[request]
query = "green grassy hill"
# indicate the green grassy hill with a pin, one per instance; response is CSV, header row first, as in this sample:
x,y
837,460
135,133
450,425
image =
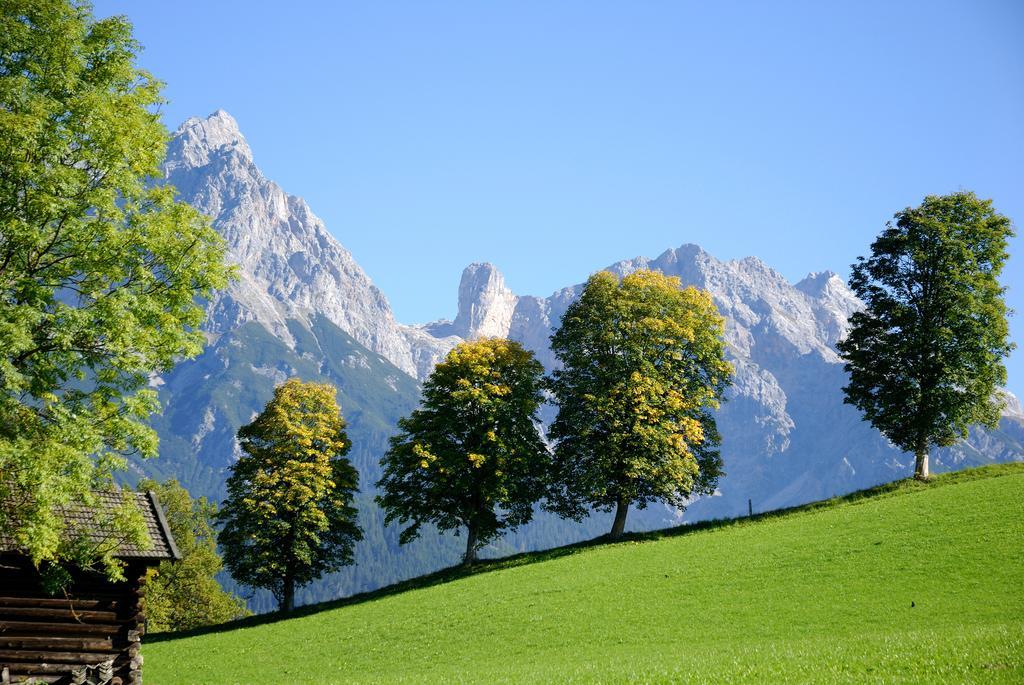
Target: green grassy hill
x,y
915,583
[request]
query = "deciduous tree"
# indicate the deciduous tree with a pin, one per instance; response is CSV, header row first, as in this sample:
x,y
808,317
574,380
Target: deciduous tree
x,y
926,357
643,367
185,594
471,456
288,518
100,269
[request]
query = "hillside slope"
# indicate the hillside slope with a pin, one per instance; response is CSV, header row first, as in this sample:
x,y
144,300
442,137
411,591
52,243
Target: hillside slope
x,y
906,583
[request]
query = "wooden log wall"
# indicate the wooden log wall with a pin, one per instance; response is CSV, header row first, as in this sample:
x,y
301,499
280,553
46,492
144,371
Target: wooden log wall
x,y
91,635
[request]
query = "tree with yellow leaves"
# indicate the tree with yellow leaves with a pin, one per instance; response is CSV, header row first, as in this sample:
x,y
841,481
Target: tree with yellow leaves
x,y
471,456
643,367
288,518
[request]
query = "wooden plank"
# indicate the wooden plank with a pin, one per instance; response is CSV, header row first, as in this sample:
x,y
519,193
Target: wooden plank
x,y
38,678
94,603
20,669
25,670
59,671
94,644
42,658
26,628
59,614
15,591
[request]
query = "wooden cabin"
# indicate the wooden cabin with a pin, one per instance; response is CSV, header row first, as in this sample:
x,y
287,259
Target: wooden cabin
x,y
91,632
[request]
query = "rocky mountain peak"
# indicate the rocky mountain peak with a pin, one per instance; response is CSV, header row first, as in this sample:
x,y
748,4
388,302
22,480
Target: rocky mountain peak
x,y
1012,405
197,141
817,283
833,303
486,305
292,267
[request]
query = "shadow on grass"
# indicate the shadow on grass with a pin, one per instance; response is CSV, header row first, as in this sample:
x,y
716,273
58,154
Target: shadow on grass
x,y
489,565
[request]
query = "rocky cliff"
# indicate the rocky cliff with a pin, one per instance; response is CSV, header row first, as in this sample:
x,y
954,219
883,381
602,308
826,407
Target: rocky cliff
x,y
291,267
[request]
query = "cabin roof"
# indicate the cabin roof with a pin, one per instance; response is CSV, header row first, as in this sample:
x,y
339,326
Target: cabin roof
x,y
93,523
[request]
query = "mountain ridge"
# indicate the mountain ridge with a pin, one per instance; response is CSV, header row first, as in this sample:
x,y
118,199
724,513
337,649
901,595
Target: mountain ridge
x,y
291,265
303,306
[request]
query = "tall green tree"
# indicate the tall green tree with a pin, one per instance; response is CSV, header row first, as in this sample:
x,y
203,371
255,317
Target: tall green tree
x,y
288,518
471,456
99,268
926,357
643,367
185,594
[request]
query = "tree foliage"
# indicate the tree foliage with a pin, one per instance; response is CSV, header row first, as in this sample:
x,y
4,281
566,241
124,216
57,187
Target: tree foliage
x,y
471,456
643,367
185,594
288,517
926,357
99,269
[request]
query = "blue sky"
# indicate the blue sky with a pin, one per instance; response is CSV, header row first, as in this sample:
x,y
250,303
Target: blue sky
x,y
554,138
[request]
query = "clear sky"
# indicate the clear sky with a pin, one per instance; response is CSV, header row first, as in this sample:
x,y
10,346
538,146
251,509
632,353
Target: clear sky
x,y
554,138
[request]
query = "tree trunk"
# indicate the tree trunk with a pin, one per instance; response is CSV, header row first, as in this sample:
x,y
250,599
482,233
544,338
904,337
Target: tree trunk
x,y
288,596
621,509
288,591
470,557
921,464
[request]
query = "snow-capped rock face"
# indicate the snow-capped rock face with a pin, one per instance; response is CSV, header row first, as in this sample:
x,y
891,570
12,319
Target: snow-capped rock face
x,y
291,267
1012,406
755,299
838,304
808,317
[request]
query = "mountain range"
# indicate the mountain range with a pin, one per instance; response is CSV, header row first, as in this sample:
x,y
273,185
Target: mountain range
x,y
303,306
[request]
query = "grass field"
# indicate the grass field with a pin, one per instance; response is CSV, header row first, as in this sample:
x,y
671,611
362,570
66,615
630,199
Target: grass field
x,y
907,583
